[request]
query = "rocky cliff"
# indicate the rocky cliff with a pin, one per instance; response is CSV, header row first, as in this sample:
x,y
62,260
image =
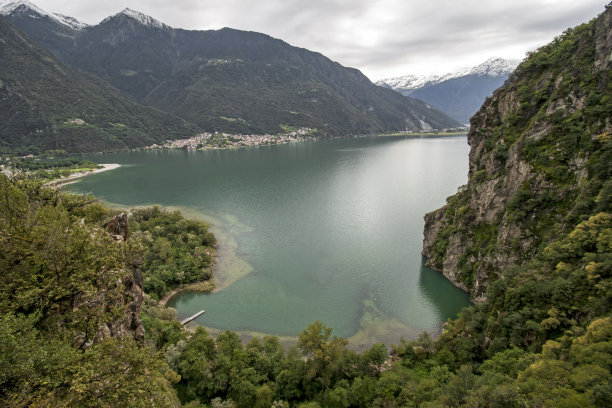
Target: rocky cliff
x,y
537,165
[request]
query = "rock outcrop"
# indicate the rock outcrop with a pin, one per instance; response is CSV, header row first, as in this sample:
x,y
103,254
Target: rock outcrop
x,y
533,146
118,227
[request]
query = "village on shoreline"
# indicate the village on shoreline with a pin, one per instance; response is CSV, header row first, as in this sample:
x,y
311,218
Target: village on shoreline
x,y
216,141
202,141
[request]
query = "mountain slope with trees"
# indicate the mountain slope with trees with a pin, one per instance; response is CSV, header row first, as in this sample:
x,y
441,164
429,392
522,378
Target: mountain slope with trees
x,y
539,162
232,81
47,105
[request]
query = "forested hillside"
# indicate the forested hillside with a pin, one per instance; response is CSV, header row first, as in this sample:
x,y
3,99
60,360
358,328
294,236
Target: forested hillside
x,y
47,105
230,80
540,162
70,298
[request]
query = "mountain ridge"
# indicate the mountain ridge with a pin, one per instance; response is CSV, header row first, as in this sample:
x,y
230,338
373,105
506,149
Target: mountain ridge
x,y
407,84
460,93
140,17
233,81
23,7
47,105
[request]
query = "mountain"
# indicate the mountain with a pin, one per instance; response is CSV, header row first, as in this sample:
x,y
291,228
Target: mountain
x,y
458,94
27,10
47,105
53,31
540,173
231,80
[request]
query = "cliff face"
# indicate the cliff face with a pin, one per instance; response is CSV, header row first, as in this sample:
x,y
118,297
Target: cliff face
x,y
535,161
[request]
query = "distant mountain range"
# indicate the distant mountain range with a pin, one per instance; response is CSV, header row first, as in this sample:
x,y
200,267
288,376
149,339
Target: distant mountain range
x,y
224,80
459,94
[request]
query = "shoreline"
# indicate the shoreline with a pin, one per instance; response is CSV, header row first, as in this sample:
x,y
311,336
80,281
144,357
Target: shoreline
x,y
73,177
205,286
221,141
425,134
212,284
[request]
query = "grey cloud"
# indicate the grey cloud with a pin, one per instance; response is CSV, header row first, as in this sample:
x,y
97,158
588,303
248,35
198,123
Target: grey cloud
x,y
377,36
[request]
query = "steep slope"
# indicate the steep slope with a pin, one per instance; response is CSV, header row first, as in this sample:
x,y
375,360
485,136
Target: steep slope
x,y
540,163
458,94
45,104
236,81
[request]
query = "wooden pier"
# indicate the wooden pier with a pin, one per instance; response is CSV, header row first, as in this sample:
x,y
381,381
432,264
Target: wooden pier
x,y
187,320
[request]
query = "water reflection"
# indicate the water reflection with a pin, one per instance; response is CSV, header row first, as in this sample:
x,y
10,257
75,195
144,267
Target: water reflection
x,y
443,296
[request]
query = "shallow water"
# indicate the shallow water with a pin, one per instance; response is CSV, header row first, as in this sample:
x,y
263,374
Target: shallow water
x,y
328,231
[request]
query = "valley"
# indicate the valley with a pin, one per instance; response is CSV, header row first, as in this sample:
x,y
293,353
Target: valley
x,y
420,269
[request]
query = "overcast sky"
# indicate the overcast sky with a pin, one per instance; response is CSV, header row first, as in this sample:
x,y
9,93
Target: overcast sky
x,y
382,38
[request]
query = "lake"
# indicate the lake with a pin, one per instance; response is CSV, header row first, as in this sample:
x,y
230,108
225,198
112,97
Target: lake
x,y
329,230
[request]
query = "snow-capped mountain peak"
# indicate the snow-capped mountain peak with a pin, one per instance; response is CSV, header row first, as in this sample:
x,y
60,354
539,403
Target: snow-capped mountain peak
x,y
29,9
70,21
143,18
494,67
8,6
408,82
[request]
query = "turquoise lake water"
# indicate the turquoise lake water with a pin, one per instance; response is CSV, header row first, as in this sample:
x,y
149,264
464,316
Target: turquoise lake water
x,y
328,231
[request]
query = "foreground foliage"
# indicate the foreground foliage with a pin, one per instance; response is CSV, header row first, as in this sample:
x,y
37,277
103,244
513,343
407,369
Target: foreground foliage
x,y
60,283
571,371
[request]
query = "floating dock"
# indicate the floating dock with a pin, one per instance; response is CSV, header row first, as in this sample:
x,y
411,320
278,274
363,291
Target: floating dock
x,y
187,320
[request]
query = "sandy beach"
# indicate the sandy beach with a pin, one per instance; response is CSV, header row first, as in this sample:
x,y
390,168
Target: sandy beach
x,y
70,179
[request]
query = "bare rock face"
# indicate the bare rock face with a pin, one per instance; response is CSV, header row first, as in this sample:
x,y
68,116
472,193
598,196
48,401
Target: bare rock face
x,y
129,324
525,172
118,227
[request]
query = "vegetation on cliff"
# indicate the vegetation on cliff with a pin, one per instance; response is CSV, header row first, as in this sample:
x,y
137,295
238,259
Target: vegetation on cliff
x,y
540,162
70,332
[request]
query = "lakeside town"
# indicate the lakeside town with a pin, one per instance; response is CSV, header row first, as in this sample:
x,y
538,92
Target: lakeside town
x,y
214,141
56,168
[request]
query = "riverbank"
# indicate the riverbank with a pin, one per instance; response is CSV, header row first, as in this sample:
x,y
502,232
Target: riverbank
x,y
74,176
